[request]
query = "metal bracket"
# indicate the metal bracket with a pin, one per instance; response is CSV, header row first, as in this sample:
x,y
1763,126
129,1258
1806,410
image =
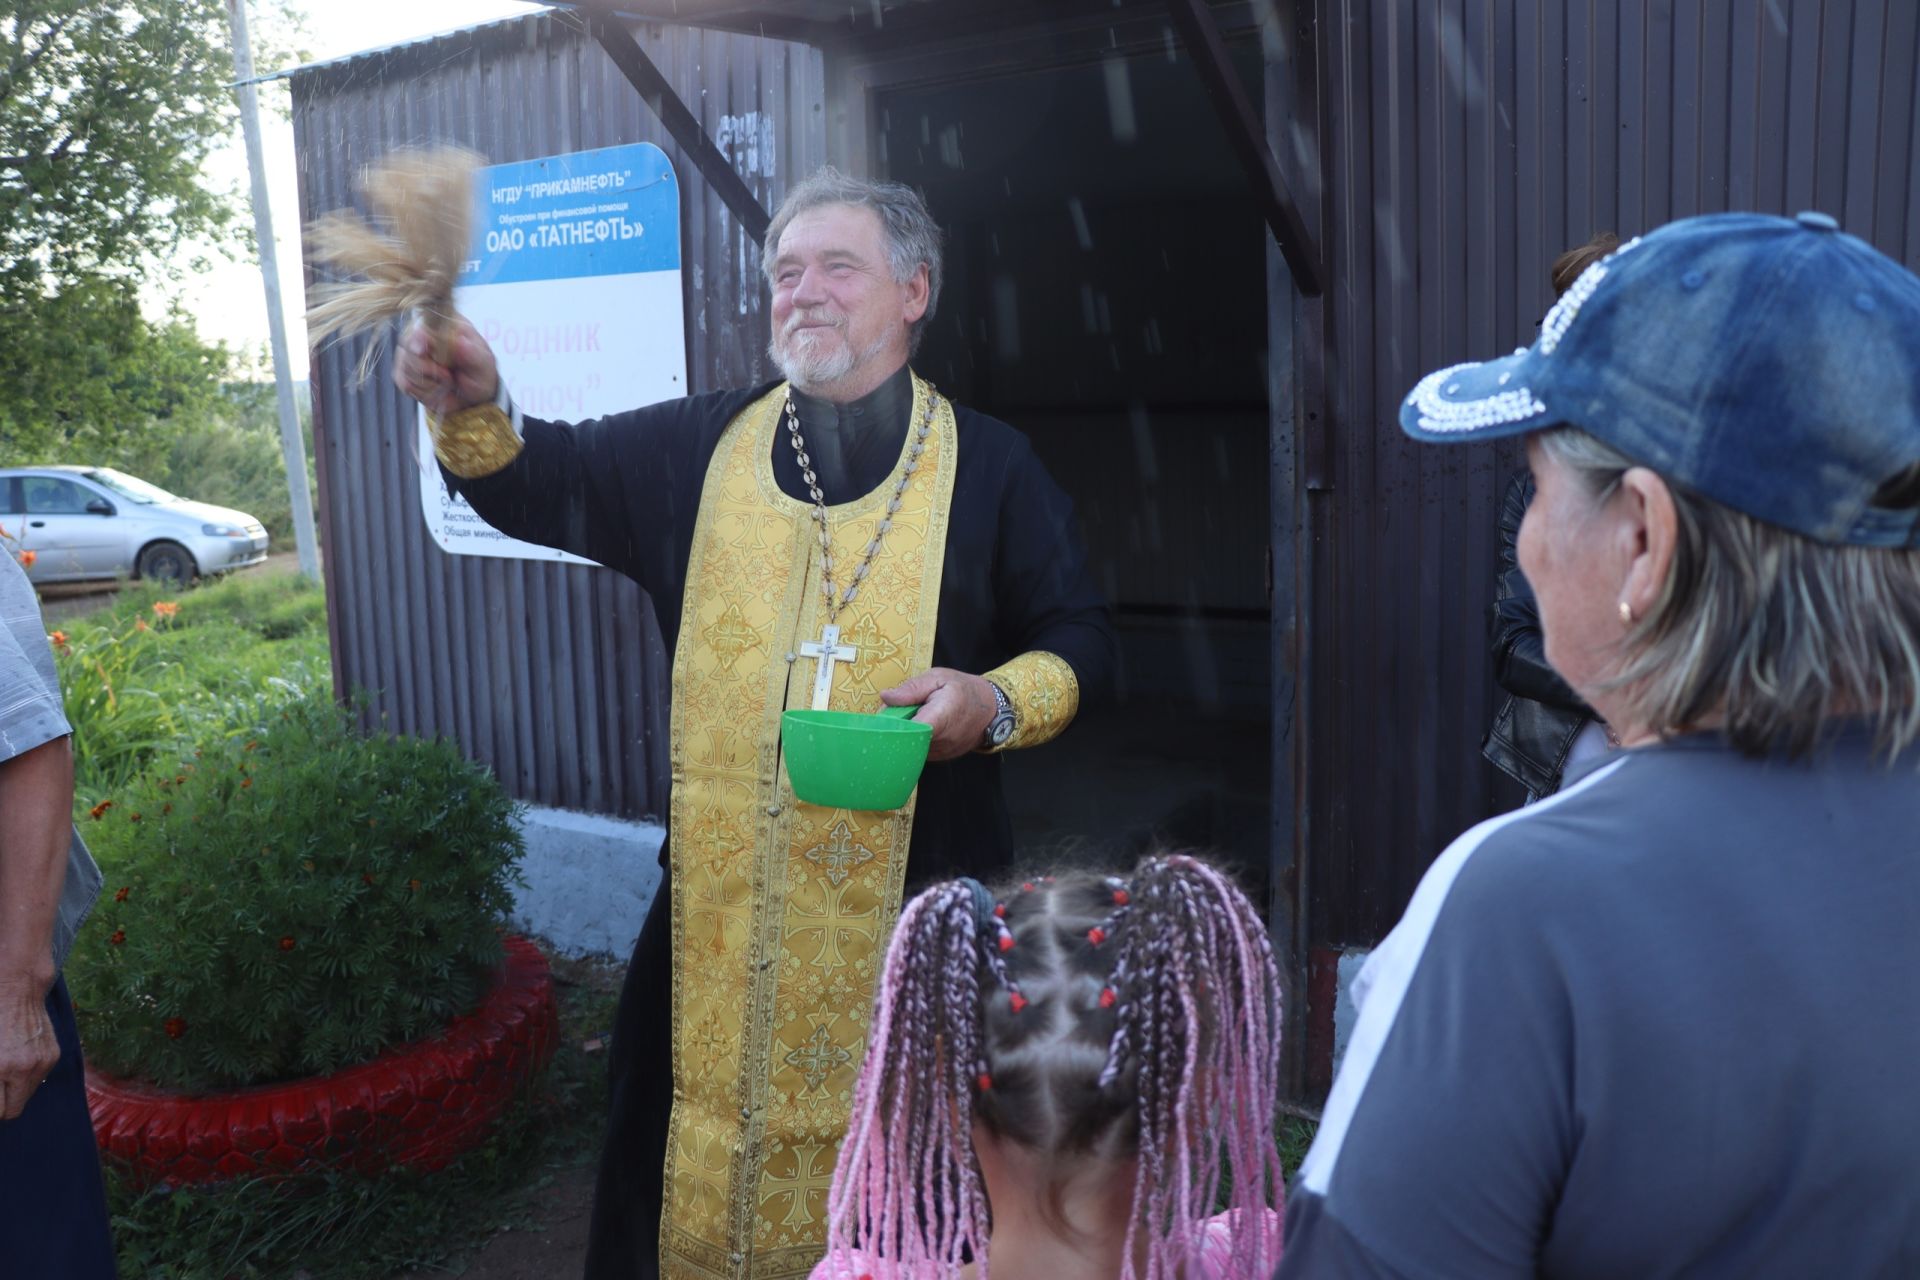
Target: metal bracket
x,y
1245,134
611,34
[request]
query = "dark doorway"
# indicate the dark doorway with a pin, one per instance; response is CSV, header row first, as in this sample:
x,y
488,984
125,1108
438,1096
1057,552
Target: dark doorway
x,y
1106,294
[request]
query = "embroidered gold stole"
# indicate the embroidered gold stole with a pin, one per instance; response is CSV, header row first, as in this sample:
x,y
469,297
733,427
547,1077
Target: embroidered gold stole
x,y
781,911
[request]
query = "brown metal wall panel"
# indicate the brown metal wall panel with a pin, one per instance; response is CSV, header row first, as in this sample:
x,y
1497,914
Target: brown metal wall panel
x,y
552,674
1465,143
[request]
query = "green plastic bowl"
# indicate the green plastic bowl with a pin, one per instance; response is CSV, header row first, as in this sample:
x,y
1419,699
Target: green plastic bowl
x,y
850,760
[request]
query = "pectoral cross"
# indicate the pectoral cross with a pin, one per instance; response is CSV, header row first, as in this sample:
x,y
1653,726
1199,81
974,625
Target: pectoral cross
x,y
826,652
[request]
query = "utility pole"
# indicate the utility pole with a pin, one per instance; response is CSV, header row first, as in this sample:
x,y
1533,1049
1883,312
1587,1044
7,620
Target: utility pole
x,y
292,447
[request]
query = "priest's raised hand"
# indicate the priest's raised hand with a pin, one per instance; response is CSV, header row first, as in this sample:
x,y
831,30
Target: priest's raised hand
x,y
469,376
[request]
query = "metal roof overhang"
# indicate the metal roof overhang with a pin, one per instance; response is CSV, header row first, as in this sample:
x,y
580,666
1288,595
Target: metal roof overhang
x,y
870,26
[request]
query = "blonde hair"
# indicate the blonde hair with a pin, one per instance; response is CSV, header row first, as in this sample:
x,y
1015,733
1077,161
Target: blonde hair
x,y
1777,634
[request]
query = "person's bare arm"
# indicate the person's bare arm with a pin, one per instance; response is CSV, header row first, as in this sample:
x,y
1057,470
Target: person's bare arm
x,y
36,805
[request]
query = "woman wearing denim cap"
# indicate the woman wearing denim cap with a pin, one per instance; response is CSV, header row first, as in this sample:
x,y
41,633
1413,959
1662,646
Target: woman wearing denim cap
x,y
1666,1021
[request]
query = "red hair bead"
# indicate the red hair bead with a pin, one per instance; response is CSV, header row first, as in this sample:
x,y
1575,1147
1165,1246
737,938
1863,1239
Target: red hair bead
x,y
1121,897
1026,886
1107,998
986,1082
1006,943
1019,1002
1000,911
1096,935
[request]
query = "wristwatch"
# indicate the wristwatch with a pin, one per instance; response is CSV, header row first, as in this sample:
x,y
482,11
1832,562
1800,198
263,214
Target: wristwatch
x,y
1000,728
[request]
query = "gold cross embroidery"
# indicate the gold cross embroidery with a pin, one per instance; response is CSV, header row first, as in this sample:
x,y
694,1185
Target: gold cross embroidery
x,y
819,1057
701,1173
729,636
805,1186
834,922
840,855
719,911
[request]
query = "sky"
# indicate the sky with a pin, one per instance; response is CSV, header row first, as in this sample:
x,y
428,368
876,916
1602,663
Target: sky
x,y
228,303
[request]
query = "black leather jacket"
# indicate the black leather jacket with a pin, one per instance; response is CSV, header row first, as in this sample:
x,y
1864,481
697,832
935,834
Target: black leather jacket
x,y
1541,717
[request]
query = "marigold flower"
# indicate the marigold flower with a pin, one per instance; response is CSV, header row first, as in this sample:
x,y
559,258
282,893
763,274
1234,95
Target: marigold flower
x,y
28,557
251,745
133,817
308,864
246,782
119,936
99,811
175,1028
121,894
414,885
140,624
58,638
165,608
286,943
166,808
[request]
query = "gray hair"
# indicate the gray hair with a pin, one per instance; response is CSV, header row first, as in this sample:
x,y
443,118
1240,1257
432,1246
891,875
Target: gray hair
x,y
913,237
1777,633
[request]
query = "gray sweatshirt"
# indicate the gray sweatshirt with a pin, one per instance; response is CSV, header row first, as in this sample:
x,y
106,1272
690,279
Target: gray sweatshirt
x,y
1664,1023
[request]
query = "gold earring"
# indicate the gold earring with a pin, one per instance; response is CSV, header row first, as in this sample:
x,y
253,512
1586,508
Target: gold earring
x,y
1626,614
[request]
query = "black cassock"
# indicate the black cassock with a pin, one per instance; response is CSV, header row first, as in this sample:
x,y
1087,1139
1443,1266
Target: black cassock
x,y
624,491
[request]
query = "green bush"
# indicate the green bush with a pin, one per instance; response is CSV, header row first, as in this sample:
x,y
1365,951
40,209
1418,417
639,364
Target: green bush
x,y
291,904
145,678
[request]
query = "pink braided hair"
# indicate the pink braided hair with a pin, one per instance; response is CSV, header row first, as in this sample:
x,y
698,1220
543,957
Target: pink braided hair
x,y
1169,1049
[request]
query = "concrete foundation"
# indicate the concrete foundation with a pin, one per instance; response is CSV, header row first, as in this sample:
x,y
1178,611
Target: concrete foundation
x,y
590,880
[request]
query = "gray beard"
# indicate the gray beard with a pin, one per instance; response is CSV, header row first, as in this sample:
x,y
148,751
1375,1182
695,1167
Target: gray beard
x,y
810,371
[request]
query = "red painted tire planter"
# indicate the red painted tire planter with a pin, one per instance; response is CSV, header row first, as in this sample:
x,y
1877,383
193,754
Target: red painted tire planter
x,y
420,1104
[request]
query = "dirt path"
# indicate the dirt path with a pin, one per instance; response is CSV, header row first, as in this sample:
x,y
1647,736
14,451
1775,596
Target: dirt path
x,y
554,1249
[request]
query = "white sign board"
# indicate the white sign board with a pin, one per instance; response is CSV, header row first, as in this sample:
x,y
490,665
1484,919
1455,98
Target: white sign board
x,y
575,284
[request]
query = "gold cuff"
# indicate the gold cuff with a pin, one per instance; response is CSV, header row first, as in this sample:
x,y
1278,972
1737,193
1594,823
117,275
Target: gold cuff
x,y
1045,695
476,441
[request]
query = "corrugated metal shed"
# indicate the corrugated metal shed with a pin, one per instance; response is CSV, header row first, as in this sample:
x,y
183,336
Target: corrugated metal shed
x,y
554,675
1465,144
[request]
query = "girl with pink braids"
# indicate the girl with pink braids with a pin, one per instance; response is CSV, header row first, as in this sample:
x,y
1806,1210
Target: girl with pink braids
x,y
1065,1082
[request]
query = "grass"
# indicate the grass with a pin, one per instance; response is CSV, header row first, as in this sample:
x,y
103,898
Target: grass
x,y
347,1227
1294,1136
161,669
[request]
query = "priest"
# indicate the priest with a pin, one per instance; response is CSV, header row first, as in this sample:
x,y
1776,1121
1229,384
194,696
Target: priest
x,y
843,538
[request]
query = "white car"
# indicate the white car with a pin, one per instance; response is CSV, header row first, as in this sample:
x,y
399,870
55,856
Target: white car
x,y
85,523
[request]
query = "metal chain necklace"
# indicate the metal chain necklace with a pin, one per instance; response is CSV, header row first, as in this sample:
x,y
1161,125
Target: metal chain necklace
x,y
838,601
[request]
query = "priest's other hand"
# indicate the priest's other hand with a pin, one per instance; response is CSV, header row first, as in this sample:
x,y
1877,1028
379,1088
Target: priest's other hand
x,y
957,705
468,378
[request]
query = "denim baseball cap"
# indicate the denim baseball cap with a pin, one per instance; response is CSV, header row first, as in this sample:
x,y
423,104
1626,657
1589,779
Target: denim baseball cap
x,y
1770,364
